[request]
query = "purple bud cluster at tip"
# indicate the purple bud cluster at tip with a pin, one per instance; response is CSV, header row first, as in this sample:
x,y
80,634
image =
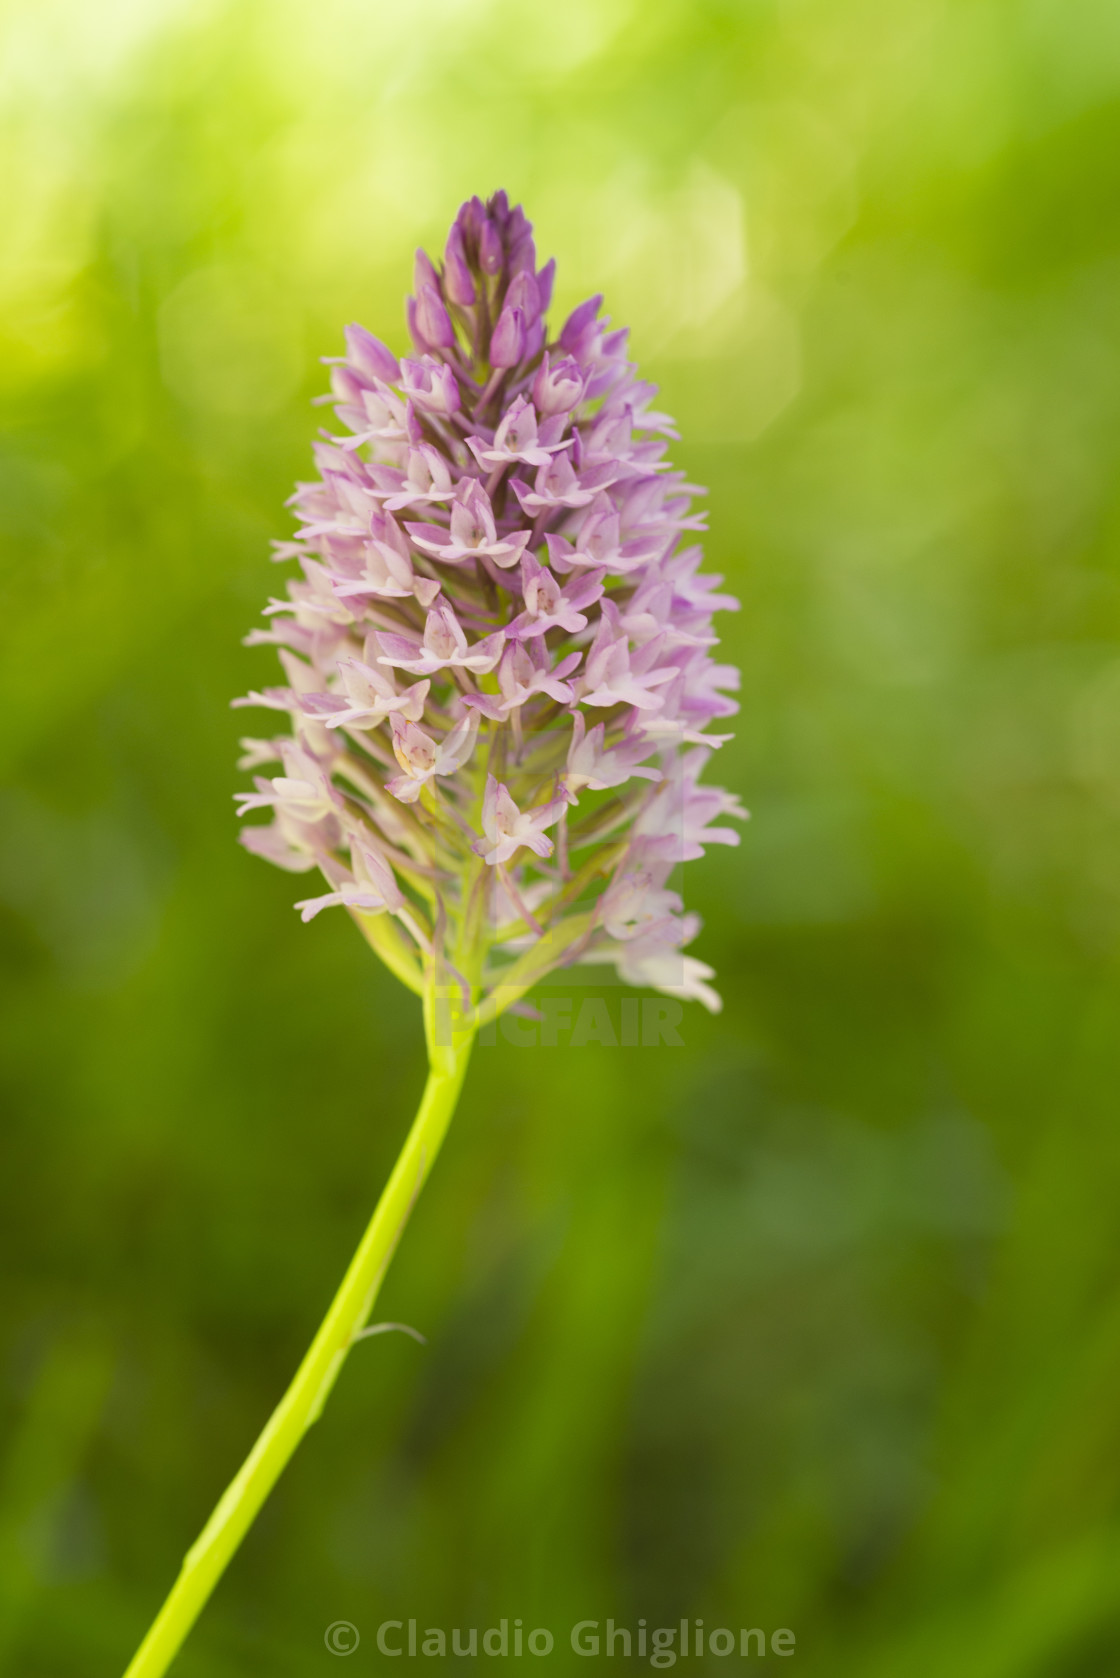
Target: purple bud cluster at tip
x,y
499,651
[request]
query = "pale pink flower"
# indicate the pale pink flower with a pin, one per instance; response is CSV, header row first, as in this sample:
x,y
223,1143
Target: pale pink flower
x,y
506,828
542,634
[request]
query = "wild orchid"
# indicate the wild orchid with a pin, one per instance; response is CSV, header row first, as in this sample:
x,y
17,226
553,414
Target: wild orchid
x,y
499,687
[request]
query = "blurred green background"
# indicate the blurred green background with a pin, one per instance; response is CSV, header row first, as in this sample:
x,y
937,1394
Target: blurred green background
x,y
814,1321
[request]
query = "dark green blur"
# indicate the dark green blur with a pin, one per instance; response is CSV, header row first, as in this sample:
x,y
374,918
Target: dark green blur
x,y
812,1321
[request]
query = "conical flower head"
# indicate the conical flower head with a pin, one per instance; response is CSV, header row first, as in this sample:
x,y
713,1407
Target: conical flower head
x,y
499,650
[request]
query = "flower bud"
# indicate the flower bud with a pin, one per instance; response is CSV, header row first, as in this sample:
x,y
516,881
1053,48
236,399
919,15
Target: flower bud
x,y
433,323
507,345
369,357
490,249
544,282
580,329
423,273
458,286
524,294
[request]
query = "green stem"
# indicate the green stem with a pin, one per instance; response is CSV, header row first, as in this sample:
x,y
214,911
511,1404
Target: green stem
x,y
301,1404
